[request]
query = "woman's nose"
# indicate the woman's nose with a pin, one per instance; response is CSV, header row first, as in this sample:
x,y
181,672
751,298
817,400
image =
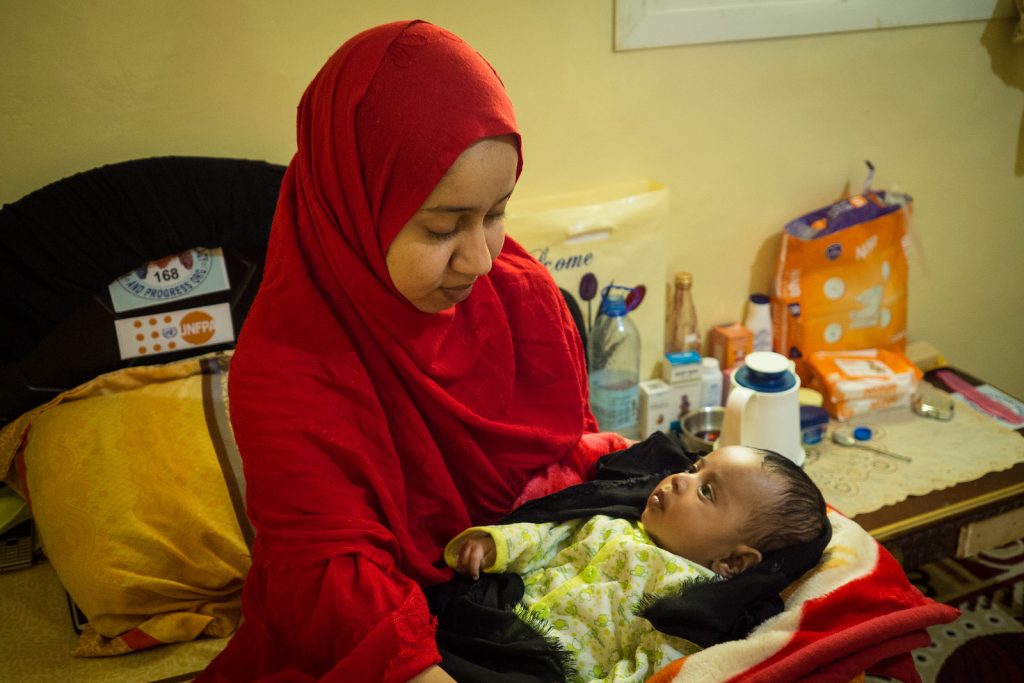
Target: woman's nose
x,y
472,255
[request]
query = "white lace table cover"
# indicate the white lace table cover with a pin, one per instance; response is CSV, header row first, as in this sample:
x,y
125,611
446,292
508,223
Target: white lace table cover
x,y
943,454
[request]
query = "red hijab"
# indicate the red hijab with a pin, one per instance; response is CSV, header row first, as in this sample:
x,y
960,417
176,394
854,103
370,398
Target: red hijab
x,y
368,428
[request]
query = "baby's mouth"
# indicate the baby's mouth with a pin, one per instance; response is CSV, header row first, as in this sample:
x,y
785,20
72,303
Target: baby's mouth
x,y
659,500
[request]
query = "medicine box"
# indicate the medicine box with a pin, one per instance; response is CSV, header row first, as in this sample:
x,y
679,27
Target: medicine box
x,y
655,407
730,344
685,397
680,367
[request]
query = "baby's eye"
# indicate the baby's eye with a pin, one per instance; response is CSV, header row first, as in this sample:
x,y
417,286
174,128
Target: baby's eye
x,y
692,469
706,491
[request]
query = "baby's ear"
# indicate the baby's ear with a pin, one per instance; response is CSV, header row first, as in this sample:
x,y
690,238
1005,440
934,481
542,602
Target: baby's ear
x,y
743,558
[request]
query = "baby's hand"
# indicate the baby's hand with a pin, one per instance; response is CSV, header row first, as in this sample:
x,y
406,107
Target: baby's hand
x,y
476,553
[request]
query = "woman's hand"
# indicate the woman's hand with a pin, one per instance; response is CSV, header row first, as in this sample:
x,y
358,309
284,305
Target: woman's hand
x,y
476,553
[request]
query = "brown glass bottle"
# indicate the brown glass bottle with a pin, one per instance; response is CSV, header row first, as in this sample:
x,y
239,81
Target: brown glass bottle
x,y
681,331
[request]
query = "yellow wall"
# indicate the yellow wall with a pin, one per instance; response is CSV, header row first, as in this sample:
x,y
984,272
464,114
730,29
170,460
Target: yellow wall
x,y
747,135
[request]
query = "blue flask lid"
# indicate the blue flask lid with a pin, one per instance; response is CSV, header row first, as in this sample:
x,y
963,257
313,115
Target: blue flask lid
x,y
766,372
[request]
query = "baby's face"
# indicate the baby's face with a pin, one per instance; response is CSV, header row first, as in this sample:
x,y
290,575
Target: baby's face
x,y
701,514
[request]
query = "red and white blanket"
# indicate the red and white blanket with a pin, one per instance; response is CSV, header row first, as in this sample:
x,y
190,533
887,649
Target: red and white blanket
x,y
855,612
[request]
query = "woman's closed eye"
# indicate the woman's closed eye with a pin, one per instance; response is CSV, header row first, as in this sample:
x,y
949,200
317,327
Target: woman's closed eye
x,y
443,235
440,234
444,229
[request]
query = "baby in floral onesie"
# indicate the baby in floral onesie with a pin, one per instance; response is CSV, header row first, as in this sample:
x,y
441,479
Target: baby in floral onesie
x,y
585,577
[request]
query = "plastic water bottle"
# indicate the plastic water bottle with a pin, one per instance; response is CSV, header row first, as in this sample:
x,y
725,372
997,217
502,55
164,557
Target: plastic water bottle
x,y
614,349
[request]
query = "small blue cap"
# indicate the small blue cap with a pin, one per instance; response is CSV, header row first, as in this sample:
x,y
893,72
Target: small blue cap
x,y
862,433
613,306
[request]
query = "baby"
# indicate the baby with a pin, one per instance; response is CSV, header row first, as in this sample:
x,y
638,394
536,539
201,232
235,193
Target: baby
x,y
585,578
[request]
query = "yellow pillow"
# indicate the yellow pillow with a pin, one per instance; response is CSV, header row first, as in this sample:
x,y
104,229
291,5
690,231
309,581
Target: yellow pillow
x,y
134,484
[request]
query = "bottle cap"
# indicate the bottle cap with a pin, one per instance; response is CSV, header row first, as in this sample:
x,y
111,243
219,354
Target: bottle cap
x,y
684,279
614,305
710,362
759,299
862,433
613,300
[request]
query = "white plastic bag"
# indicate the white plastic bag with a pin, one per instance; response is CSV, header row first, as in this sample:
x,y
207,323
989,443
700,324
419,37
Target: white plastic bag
x,y
589,240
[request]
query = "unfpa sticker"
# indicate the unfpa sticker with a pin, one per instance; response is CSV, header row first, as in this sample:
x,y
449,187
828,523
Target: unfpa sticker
x,y
174,331
178,276
197,327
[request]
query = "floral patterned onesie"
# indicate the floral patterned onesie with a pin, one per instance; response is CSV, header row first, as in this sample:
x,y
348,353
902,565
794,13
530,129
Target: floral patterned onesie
x,y
583,579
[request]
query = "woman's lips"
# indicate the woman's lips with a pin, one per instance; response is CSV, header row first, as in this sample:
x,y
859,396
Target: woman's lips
x,y
457,294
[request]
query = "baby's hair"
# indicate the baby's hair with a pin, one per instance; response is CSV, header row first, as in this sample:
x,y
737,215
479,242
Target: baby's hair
x,y
798,515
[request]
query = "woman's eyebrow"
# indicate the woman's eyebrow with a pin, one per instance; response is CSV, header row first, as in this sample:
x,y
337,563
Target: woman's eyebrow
x,y
449,208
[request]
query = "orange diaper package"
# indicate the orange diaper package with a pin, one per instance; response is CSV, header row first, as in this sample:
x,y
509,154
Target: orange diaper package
x,y
841,279
858,382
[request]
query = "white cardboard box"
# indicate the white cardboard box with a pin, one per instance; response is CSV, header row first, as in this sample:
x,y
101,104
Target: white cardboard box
x,y
655,407
684,397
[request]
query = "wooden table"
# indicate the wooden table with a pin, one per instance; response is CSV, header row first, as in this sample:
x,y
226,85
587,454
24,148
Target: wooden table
x,y
960,521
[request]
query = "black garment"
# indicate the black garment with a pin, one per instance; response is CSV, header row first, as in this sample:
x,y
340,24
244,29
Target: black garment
x,y
482,639
620,488
577,318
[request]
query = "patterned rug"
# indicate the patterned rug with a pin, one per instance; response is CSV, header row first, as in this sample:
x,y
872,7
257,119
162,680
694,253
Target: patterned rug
x,y
997,574
987,642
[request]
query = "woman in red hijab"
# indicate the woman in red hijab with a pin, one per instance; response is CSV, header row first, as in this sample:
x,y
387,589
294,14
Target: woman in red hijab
x,y
405,371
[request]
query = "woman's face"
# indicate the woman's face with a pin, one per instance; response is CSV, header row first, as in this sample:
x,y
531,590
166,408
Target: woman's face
x,y
458,232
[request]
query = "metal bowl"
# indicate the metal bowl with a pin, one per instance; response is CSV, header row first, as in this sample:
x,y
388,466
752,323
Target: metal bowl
x,y
701,428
